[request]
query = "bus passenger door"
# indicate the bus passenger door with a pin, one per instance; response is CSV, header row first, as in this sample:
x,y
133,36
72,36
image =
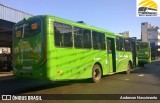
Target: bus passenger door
x,y
111,54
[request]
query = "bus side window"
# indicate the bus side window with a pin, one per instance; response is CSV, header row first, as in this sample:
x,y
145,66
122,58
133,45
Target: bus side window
x,y
98,40
119,44
127,45
87,38
63,35
67,32
102,41
109,49
58,31
78,37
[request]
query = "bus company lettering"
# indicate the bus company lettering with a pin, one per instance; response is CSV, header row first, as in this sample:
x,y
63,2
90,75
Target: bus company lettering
x,y
126,56
36,48
96,59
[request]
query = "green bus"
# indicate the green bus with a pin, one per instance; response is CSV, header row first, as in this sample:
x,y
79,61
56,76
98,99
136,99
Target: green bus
x,y
143,53
53,48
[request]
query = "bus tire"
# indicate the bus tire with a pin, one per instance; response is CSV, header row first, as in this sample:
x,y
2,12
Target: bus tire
x,y
96,73
129,67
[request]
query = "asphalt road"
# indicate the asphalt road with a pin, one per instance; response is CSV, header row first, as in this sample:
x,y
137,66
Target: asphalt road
x,y
144,80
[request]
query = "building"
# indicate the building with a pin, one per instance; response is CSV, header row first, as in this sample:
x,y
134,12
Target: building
x,y
144,31
154,36
125,33
150,33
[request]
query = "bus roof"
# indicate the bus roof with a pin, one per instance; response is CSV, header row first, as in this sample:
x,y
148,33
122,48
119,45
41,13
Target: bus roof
x,y
82,25
143,42
120,35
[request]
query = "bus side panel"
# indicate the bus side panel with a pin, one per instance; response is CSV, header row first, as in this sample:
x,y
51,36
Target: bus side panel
x,y
122,59
50,50
77,63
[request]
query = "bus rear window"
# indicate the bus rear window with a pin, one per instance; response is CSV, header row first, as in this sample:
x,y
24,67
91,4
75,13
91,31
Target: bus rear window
x,y
143,45
28,28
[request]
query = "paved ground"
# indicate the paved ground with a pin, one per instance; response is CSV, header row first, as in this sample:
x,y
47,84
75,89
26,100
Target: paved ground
x,y
144,80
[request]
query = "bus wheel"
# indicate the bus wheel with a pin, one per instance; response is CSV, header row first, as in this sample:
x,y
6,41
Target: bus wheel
x,y
129,68
96,73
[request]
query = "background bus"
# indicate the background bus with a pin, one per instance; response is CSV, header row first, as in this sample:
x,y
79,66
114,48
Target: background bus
x,y
49,47
143,53
5,59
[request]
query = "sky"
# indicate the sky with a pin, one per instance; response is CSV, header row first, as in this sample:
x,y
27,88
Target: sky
x,y
113,15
